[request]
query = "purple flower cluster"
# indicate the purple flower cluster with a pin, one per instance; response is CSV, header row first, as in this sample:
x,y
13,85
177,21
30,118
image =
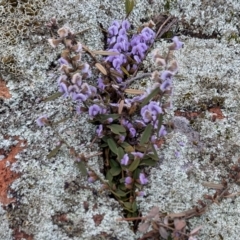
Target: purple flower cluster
x,y
134,48
150,112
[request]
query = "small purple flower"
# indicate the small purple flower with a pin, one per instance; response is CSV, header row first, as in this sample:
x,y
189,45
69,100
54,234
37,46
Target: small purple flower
x,y
132,132
73,89
177,44
41,121
99,131
128,180
121,138
150,111
139,50
62,87
148,34
91,179
143,180
62,61
140,194
116,23
146,114
155,108
166,75
94,110
86,70
101,85
137,154
109,120
112,31
125,160
162,132
166,85
79,97
125,24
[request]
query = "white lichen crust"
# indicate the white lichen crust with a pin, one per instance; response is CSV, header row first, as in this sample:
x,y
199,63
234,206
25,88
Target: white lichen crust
x,y
208,76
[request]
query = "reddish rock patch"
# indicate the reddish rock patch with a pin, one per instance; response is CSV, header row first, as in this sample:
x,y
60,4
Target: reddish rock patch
x,y
4,92
19,235
6,175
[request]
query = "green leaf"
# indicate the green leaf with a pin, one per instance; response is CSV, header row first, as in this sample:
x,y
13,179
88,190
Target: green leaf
x,y
103,117
120,153
117,129
54,152
160,120
150,96
127,147
113,163
125,71
134,165
105,139
136,173
115,171
82,168
112,145
134,206
148,162
109,176
53,97
128,205
154,156
146,134
120,193
129,5
103,145
140,148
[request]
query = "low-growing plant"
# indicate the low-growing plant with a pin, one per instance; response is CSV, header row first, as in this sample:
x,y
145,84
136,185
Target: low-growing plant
x,y
130,124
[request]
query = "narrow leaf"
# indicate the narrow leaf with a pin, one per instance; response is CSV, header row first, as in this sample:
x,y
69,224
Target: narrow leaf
x,y
150,96
112,145
53,97
120,153
54,152
134,165
117,129
160,120
148,162
133,91
113,163
129,4
136,174
101,68
125,71
106,53
128,205
134,206
154,156
109,176
120,193
82,168
103,117
115,171
120,107
127,147
116,73
146,134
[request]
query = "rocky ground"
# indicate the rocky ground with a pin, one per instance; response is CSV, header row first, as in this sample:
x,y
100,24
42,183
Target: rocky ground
x,y
45,199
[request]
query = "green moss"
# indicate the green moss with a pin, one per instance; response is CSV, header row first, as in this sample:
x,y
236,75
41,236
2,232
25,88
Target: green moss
x,y
168,5
235,37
